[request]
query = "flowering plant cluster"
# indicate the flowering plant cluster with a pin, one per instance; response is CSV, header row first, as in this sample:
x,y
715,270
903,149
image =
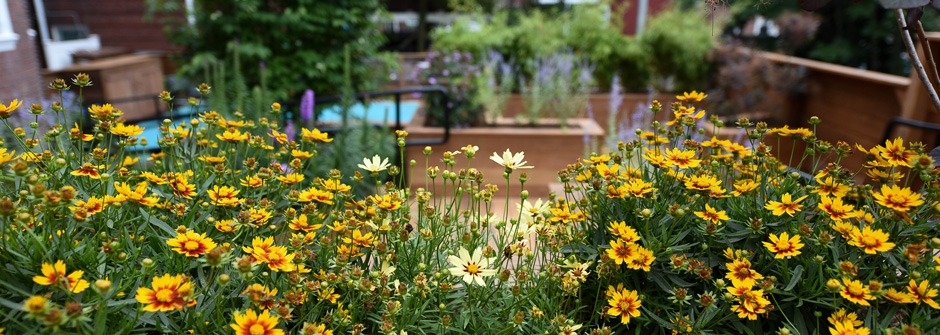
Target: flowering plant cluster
x,y
225,231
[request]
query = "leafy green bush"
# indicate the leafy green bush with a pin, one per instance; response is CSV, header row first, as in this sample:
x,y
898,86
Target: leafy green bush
x,y
678,47
295,44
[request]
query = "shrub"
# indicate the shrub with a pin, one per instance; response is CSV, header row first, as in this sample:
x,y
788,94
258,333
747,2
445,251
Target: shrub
x,y
678,47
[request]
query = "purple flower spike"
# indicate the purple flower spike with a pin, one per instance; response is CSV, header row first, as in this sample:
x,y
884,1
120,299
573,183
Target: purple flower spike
x,y
307,103
290,131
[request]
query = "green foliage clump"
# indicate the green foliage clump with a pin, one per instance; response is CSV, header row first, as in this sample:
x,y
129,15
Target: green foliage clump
x,y
678,47
295,44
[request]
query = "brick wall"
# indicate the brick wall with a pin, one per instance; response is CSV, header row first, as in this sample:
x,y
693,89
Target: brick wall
x,y
119,23
19,68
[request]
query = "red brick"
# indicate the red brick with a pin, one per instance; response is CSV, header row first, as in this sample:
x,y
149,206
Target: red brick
x,y
19,69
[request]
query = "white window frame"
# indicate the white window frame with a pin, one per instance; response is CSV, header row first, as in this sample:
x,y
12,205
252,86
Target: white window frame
x,y
7,37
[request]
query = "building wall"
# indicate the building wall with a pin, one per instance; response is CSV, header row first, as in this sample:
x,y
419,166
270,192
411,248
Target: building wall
x,y
19,68
632,7
119,23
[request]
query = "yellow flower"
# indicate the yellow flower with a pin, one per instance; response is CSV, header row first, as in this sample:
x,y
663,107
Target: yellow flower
x,y
278,259
314,136
212,159
836,209
898,199
750,304
191,244
259,216
624,303
252,323
36,304
315,194
124,130
830,187
702,182
277,136
252,181
895,153
386,202
317,329
692,96
682,159
642,259
360,239
898,296
224,196
232,135
291,178
847,328
743,186
785,205
300,154
105,112
181,186
710,214
5,156
7,110
873,241
55,275
741,274
168,293
621,251
841,316
472,268
624,232
784,245
128,161
226,226
855,291
93,205
300,223
334,185
922,292
87,170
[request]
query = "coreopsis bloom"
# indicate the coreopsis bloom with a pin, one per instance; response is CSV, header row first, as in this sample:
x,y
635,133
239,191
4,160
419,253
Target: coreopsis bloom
x,y
785,205
224,196
291,178
692,96
300,154
624,232
682,159
181,186
642,259
703,182
36,304
6,156
259,247
278,136
259,216
232,135
895,154
750,304
830,187
847,328
922,293
55,275
898,199
278,259
472,268
87,170
898,296
841,316
105,112
168,293
252,323
741,274
121,129
636,187
91,206
302,224
191,244
710,214
784,245
314,136
315,329
621,251
510,161
386,202
873,241
334,185
252,181
376,165
836,209
212,159
226,226
743,186
360,239
315,194
7,110
624,303
855,291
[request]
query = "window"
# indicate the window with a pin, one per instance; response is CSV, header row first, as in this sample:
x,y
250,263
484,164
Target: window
x,y
7,37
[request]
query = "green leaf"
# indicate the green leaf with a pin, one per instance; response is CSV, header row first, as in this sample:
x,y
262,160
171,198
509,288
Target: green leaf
x,y
797,274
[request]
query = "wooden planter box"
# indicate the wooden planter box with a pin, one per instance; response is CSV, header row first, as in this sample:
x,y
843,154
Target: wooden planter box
x,y
547,147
